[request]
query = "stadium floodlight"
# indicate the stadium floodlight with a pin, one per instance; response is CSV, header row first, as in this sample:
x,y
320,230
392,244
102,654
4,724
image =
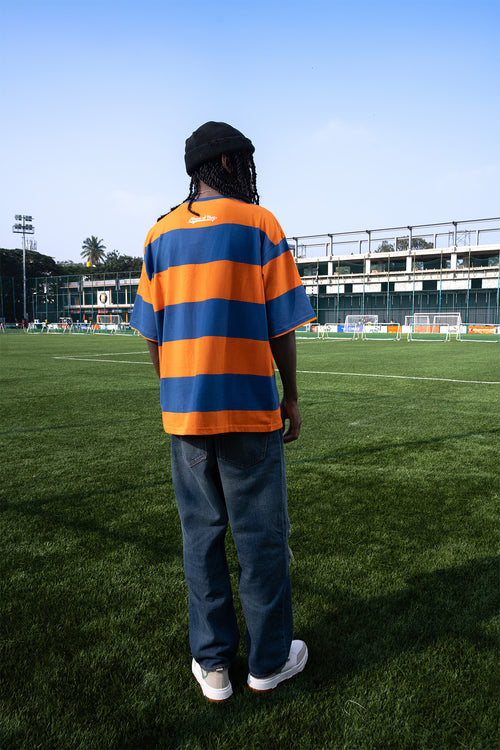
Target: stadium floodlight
x,y
24,227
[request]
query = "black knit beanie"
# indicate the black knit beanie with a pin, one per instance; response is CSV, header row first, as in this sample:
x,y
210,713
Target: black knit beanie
x,y
211,140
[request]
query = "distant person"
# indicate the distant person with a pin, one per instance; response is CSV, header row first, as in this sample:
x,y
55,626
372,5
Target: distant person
x,y
219,298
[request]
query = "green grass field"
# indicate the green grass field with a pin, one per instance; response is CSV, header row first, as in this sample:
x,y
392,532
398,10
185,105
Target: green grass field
x,y
393,499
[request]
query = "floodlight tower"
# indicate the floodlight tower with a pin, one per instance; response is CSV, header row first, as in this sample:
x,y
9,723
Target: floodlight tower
x,y
24,227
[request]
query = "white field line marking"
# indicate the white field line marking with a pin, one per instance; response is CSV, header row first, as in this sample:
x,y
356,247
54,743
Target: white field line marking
x,y
303,372
398,377
112,354
110,361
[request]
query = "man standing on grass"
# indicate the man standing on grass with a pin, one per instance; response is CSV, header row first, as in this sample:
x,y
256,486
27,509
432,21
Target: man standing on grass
x,y
219,299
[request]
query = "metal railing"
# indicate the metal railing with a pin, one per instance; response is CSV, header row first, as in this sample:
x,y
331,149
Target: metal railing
x,y
472,232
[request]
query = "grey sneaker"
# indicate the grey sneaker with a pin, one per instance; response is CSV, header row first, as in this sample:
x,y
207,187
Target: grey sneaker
x,y
215,685
295,663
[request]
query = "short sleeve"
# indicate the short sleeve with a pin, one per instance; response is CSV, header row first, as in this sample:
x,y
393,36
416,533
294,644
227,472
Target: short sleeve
x,y
143,315
287,304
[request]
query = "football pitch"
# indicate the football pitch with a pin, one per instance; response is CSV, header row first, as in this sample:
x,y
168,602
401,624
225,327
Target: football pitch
x,y
393,492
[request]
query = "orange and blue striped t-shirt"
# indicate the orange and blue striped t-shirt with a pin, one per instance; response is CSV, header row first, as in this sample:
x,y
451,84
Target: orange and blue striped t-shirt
x,y
214,289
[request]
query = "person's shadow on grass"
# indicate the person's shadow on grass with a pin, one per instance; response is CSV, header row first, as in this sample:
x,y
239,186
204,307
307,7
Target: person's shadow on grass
x,y
354,634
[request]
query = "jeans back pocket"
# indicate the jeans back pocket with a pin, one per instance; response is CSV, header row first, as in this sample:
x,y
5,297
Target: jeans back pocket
x,y
243,449
194,449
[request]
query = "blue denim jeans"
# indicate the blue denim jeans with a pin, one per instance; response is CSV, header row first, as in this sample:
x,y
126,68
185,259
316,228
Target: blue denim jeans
x,y
235,478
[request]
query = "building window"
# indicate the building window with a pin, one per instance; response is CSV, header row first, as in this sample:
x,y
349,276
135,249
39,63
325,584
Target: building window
x,y
429,286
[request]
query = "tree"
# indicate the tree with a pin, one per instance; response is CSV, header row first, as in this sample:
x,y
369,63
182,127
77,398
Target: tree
x,y
37,264
385,247
122,263
72,268
11,279
93,250
417,243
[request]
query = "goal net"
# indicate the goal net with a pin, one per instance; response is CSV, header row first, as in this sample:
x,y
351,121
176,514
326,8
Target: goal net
x,y
332,333
433,326
37,327
482,333
108,322
360,324
374,332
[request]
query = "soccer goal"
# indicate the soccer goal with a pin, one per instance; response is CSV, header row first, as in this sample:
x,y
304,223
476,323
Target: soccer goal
x,y
381,332
433,326
482,334
332,333
361,324
108,323
63,325
37,328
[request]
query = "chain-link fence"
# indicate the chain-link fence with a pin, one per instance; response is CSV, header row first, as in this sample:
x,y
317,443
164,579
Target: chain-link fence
x,y
80,298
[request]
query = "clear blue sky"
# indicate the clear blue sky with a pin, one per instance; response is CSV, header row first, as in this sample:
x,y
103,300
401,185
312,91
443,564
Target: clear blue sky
x,y
363,114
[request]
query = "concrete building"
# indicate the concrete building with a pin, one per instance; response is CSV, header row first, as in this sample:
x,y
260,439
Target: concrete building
x,y
392,273
395,272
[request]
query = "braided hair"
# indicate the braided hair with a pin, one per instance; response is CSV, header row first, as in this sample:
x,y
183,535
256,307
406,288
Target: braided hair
x,y
240,182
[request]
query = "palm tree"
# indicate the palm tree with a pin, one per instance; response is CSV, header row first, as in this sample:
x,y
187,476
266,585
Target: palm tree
x,y
93,250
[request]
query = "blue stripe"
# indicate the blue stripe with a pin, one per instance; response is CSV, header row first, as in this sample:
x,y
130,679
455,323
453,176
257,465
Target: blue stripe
x,y
219,393
143,318
288,311
213,317
270,251
219,317
233,242
206,244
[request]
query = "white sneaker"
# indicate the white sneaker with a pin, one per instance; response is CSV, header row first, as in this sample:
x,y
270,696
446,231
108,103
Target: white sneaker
x,y
295,663
215,685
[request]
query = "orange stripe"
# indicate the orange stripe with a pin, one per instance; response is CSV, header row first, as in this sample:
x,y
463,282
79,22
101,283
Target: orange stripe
x,y
214,355
221,279
223,210
144,286
216,422
293,329
280,276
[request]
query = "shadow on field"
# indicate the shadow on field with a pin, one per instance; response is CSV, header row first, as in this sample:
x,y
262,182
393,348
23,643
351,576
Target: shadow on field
x,y
98,513
353,634
393,446
349,636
